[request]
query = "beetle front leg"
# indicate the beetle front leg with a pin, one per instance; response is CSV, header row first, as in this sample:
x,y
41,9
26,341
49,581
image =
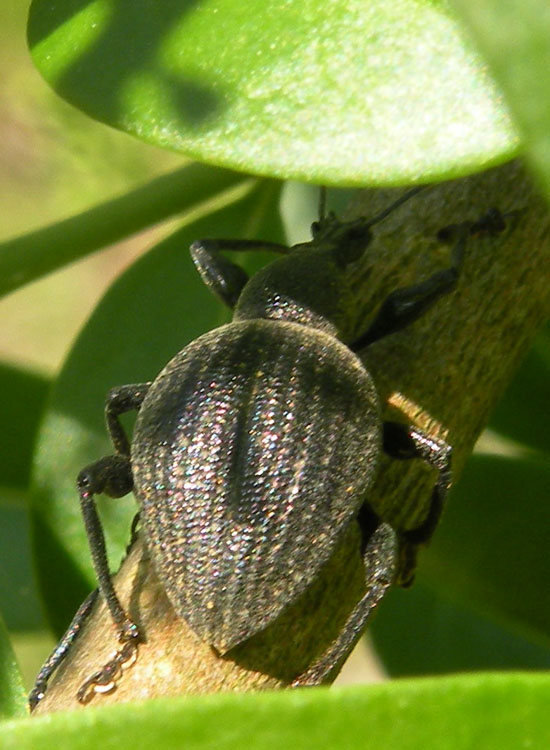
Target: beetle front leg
x,y
380,558
223,277
406,442
403,306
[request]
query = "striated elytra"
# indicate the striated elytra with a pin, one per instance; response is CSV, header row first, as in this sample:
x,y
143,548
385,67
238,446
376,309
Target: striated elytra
x,y
256,445
228,457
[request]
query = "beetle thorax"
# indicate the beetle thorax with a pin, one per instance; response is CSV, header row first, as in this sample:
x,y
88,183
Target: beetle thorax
x,y
305,287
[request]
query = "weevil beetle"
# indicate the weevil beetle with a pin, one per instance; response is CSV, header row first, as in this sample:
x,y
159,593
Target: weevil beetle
x,y
257,444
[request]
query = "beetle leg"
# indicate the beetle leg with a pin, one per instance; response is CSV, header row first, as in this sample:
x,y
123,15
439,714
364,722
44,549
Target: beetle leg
x,y
491,223
120,400
223,277
105,679
380,558
405,442
403,306
60,652
387,555
111,476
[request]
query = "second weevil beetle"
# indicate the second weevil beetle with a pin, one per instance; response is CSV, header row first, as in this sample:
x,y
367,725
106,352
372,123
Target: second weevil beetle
x,y
256,446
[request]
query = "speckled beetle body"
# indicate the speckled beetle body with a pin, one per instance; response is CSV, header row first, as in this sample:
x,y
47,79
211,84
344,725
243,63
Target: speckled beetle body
x,y
257,444
228,457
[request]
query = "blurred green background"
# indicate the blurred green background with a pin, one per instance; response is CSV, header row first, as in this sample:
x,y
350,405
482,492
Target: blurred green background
x,y
55,162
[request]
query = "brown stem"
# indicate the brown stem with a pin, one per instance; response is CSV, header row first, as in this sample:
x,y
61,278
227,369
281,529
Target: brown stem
x,y
446,372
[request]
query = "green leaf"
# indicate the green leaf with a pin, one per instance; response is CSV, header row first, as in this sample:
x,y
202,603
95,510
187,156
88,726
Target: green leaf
x,y
422,630
491,550
18,597
522,414
480,600
36,254
151,312
13,700
513,36
339,92
21,409
493,712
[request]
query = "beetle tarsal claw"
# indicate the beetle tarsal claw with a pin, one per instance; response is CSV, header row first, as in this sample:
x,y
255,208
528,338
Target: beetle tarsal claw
x,y
106,679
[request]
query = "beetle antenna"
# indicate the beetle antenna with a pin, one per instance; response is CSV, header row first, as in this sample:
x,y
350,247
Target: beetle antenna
x,y
322,202
389,209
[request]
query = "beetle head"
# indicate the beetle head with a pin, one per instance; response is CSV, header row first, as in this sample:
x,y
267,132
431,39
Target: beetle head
x,y
347,240
311,285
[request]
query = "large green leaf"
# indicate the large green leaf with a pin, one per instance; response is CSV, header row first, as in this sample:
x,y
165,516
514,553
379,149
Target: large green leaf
x,y
489,712
423,630
24,397
340,92
522,415
149,314
482,599
492,546
18,598
513,35
21,408
13,700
